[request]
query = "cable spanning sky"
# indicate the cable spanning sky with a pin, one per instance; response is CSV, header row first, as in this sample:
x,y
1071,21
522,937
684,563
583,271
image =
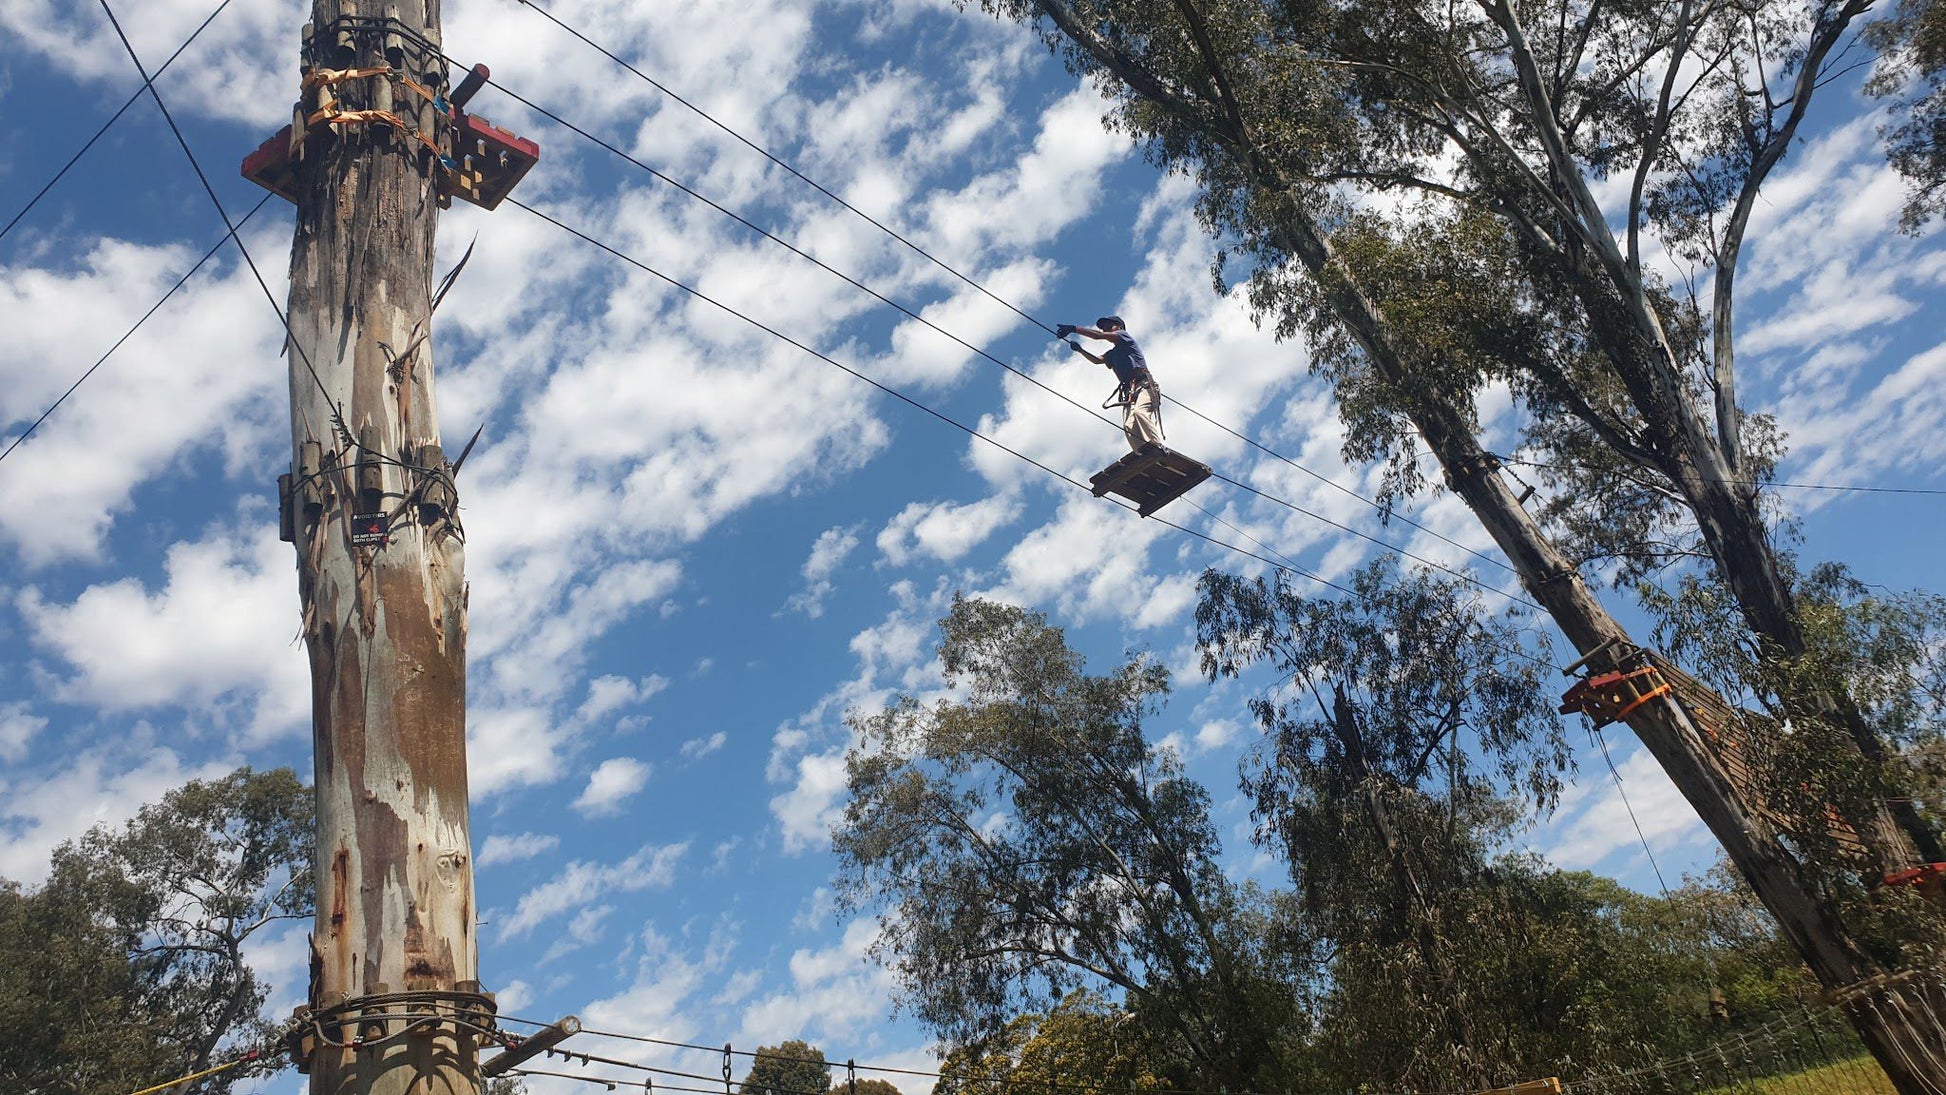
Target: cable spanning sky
x,y
694,545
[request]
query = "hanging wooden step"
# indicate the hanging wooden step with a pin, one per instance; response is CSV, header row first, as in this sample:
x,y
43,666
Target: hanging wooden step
x,y
1152,478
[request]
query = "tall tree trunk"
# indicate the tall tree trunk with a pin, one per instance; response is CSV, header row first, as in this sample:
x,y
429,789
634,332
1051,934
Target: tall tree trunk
x,y
1805,914
1733,530
384,599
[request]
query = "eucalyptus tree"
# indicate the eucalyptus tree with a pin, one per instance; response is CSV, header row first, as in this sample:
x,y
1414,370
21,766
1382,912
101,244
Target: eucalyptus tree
x,y
1447,198
1406,740
1912,75
70,1001
1405,734
795,1067
129,964
1022,839
1083,1044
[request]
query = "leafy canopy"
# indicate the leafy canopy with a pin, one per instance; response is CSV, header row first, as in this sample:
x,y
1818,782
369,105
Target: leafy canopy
x,y
1023,840
139,936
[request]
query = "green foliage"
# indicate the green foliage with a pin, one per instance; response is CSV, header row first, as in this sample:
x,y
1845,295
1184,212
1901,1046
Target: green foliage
x,y
985,1065
1912,74
1083,1043
791,1068
1403,743
1403,721
70,1002
1884,652
1526,971
152,920
1447,200
1052,902
1022,840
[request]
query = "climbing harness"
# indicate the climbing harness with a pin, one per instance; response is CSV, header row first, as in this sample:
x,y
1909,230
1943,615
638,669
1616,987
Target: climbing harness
x,y
1125,394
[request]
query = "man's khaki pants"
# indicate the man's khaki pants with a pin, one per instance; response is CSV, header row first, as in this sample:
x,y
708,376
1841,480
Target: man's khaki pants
x,y
1138,419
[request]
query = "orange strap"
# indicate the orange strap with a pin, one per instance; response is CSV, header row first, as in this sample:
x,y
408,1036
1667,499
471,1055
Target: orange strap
x,y
1658,690
423,91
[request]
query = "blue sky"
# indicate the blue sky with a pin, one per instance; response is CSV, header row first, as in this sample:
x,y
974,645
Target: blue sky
x,y
693,548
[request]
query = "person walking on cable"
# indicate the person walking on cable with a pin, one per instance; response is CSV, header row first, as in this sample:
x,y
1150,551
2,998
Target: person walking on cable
x,y
1137,392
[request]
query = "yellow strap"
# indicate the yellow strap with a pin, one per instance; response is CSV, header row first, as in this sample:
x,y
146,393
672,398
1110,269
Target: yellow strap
x,y
320,76
247,1058
334,116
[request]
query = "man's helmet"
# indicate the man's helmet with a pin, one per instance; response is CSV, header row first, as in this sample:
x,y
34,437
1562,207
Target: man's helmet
x,y
1111,323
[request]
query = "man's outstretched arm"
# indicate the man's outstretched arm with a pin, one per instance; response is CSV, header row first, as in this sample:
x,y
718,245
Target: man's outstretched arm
x,y
1066,329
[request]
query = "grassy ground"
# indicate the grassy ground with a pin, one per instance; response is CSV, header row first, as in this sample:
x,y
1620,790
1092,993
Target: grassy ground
x,y
1858,1076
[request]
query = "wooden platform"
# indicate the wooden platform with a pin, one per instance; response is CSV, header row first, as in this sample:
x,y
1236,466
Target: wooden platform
x,y
1151,479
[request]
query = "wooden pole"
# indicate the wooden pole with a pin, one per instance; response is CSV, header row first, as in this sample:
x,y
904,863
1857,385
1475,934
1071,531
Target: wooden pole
x,y
394,959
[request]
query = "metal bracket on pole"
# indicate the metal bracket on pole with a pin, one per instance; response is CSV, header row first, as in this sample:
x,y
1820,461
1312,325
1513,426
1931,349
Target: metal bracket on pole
x,y
532,1046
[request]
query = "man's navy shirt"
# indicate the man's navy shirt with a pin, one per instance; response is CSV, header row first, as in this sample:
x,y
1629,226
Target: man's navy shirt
x,y
1125,357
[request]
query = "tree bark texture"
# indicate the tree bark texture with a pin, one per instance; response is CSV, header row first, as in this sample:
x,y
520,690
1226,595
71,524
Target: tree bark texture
x,y
384,620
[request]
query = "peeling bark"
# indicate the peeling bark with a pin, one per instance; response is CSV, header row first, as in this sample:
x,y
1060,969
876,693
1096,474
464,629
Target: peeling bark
x,y
385,624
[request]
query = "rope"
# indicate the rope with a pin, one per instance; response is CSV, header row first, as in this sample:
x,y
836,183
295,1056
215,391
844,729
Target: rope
x,y
224,1067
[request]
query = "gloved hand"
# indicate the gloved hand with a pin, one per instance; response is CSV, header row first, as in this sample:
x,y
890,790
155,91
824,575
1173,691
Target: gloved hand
x,y
1074,346
1063,330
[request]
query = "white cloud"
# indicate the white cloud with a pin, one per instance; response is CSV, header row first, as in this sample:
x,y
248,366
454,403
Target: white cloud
x,y
512,997
223,627
17,729
698,748
833,546
1213,735
807,811
1045,191
176,389
608,694
661,1000
612,782
512,849
1090,561
511,747
222,73
944,531
834,992
580,882
808,752
105,786
1594,822
280,955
